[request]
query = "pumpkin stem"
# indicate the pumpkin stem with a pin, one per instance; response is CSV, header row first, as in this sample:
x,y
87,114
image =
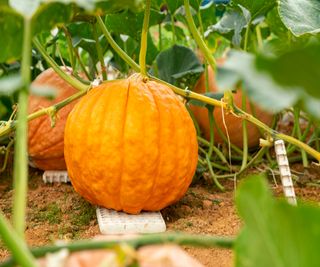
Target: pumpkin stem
x,y
144,39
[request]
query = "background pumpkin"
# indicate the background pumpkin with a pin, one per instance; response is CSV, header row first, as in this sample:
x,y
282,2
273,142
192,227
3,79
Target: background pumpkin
x,y
131,145
234,124
45,144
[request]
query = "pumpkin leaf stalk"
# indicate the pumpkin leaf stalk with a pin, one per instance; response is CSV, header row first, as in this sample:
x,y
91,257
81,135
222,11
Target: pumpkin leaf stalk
x,y
144,39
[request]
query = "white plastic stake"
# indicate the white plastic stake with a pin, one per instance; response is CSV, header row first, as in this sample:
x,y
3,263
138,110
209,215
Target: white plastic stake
x,y
285,172
113,222
55,177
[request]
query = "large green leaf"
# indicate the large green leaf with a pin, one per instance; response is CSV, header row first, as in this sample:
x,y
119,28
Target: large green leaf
x,y
177,62
130,23
28,7
276,25
232,21
49,15
298,68
283,40
275,234
11,29
276,83
45,15
256,7
300,16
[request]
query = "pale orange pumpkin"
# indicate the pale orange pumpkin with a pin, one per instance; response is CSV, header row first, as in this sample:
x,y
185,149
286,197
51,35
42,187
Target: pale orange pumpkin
x,y
234,124
131,145
45,144
146,256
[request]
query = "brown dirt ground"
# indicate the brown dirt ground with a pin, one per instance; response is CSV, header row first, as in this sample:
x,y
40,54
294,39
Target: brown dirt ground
x,y
57,212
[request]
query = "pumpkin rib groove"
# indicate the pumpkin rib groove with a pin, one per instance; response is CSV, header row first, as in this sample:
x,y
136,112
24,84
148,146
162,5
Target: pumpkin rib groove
x,y
91,116
174,120
156,177
81,150
123,143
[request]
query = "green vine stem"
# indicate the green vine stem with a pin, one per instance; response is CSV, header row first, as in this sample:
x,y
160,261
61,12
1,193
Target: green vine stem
x,y
246,37
213,175
11,126
296,113
17,246
82,66
20,168
191,95
6,156
211,118
206,71
172,25
225,139
70,46
215,150
193,29
259,37
160,36
196,124
256,157
244,134
99,51
203,241
144,39
71,80
117,48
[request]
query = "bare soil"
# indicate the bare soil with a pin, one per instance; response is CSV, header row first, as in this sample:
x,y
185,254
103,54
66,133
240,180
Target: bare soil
x,y
57,212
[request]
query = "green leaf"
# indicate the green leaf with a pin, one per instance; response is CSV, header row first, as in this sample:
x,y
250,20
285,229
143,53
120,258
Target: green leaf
x,y
49,15
11,29
300,17
130,23
298,68
87,44
177,62
208,15
232,21
174,5
275,234
256,7
276,83
276,25
10,84
111,6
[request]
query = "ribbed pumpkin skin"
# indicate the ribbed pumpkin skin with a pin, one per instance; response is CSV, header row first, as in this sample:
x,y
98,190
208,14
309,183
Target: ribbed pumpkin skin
x,y
131,145
234,124
45,144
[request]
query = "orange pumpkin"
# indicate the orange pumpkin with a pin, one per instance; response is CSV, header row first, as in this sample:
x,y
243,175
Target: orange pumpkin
x,y
45,144
234,124
131,145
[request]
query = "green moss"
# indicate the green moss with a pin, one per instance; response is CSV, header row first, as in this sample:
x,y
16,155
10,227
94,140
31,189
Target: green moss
x,y
83,214
51,213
